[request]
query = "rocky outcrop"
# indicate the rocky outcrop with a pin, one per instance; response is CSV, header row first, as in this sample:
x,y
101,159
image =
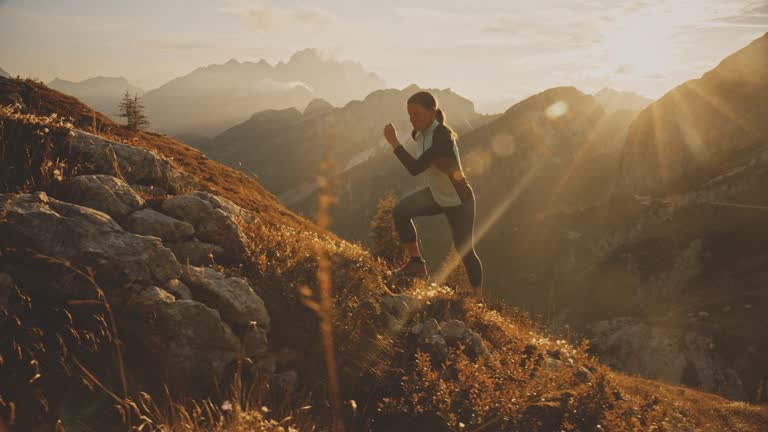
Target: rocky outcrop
x,y
189,323
437,337
398,310
153,223
216,220
672,354
132,164
233,297
84,237
188,344
105,193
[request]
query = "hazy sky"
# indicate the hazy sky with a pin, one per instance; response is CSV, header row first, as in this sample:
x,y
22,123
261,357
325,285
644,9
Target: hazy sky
x,y
486,50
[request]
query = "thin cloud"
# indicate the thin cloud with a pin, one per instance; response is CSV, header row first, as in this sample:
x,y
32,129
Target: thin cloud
x,y
266,17
755,15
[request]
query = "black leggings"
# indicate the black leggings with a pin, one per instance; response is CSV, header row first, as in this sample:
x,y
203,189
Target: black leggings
x,y
461,219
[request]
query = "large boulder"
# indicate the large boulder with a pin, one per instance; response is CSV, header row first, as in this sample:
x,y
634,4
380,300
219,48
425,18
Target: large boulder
x,y
233,297
216,220
134,164
196,253
154,223
105,193
80,237
185,342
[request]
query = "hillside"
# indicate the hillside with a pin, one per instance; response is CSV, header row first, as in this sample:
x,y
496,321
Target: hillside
x,y
702,128
565,228
83,214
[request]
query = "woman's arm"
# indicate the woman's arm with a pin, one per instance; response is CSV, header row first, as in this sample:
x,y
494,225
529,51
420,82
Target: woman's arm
x,y
442,147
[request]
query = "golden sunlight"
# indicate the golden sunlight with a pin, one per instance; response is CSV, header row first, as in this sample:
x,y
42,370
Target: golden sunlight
x,y
640,45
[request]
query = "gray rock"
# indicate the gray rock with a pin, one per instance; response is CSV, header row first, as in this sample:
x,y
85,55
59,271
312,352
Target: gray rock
x,y
426,330
84,237
398,309
196,253
105,193
178,289
153,223
552,364
214,223
187,343
453,329
582,375
148,300
669,353
226,205
286,381
134,164
266,364
439,344
233,297
476,343
255,342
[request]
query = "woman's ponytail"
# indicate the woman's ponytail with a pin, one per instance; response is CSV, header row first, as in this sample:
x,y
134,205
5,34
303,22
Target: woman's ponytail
x,y
440,115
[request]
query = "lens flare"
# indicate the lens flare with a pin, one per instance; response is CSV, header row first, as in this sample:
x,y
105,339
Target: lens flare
x,y
557,110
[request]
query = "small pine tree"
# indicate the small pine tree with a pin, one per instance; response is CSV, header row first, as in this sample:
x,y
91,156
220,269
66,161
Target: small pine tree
x,y
385,243
126,108
140,120
133,110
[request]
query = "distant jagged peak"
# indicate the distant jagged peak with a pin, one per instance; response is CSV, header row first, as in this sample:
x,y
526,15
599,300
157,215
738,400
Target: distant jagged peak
x,y
317,106
97,83
547,97
314,55
94,80
614,100
271,115
412,88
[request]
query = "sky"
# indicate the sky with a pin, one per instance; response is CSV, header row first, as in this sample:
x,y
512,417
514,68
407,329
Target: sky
x,y
489,51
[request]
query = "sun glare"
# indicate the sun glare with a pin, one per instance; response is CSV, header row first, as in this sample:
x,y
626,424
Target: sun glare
x,y
640,45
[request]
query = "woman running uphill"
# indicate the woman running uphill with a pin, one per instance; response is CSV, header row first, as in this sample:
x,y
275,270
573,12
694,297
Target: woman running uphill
x,y
447,190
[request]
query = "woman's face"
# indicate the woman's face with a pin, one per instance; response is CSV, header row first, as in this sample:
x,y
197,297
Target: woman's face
x,y
421,117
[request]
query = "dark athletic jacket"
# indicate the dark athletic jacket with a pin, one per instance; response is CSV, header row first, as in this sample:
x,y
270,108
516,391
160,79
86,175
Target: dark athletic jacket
x,y
438,157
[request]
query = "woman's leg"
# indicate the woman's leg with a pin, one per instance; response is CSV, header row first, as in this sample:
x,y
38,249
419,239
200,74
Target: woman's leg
x,y
416,203
461,219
